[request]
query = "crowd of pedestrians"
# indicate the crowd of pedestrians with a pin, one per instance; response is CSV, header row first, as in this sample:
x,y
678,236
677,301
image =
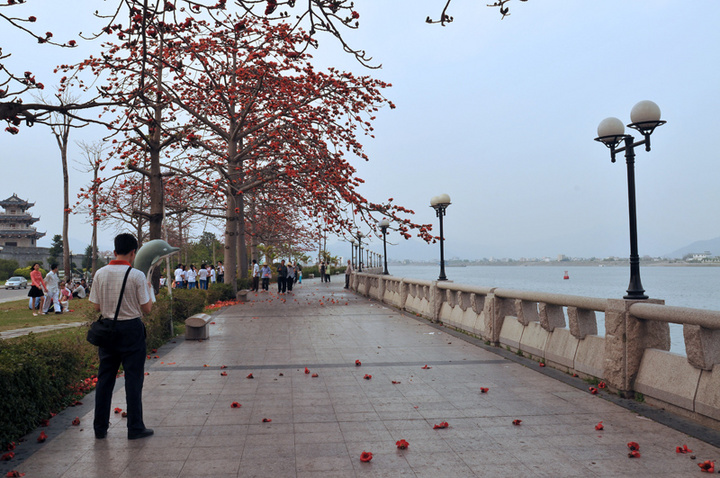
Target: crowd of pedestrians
x,y
190,277
51,291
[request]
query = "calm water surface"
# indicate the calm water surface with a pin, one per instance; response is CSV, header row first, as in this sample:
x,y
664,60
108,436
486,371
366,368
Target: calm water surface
x,y
696,287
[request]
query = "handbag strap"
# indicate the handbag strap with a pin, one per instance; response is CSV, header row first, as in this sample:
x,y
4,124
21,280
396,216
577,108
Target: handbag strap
x,y
122,291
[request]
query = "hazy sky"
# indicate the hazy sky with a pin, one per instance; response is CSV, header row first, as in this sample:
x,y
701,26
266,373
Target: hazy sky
x,y
500,115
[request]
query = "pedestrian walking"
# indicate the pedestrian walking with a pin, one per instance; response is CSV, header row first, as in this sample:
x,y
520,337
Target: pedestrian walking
x,y
255,276
282,274
290,278
348,273
266,274
37,289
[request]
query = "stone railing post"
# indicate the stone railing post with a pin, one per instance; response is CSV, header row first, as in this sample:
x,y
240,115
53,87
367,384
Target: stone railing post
x,y
381,288
702,346
403,293
626,339
436,301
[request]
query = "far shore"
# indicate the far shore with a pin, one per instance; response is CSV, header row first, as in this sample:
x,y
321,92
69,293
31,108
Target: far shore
x,y
618,263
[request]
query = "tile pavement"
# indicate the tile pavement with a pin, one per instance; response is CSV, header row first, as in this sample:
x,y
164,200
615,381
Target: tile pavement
x,y
320,425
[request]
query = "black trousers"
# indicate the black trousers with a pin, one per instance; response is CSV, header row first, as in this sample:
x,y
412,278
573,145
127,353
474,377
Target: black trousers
x,y
347,281
265,283
289,283
282,287
256,283
130,351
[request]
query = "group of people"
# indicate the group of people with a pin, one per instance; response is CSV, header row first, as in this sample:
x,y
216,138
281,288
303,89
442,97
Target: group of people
x,y
287,275
51,291
191,277
324,272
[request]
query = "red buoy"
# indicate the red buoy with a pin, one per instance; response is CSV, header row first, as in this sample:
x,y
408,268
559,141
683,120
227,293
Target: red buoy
x,y
566,276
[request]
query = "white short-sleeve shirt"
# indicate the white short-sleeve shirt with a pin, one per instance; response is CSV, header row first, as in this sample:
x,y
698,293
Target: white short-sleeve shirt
x,y
106,291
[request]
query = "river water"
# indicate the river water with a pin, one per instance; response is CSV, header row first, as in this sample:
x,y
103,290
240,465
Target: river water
x,y
681,286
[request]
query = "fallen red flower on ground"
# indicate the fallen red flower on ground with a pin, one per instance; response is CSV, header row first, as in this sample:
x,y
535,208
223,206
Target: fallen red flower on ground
x,y
14,474
395,382
43,436
593,390
441,425
517,422
367,376
223,366
402,444
426,367
123,414
223,374
365,456
267,420
235,405
358,363
484,390
76,422
314,375
634,454
117,410
682,449
707,466
307,370
542,364
602,385
7,456
633,446
250,376
599,426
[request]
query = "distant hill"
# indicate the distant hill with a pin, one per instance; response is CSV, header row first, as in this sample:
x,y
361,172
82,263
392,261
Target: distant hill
x,y
711,245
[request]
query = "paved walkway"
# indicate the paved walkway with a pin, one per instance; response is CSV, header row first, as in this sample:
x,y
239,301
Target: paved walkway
x,y
321,424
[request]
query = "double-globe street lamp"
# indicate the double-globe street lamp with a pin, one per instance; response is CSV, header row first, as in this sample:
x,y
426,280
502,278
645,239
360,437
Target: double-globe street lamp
x,y
384,224
645,117
440,204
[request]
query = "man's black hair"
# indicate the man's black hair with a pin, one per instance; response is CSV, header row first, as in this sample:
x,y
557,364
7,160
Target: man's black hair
x,y
125,243
53,267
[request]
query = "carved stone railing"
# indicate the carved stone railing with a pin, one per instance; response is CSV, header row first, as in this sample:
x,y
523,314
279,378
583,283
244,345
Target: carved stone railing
x,y
562,331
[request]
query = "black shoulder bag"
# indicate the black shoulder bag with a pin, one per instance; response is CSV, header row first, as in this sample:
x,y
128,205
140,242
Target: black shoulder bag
x,y
102,331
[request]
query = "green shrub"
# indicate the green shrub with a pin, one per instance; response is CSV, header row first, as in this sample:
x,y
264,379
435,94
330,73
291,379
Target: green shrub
x,y
6,268
39,376
244,284
25,272
218,292
187,302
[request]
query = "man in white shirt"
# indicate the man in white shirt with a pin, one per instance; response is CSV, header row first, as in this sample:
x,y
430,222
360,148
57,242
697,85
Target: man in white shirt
x,y
255,276
130,347
179,284
52,281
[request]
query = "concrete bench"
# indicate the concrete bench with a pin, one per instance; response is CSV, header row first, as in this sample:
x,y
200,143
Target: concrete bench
x,y
196,327
242,295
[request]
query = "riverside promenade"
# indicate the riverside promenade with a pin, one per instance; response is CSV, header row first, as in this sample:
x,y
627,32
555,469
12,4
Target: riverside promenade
x,y
318,425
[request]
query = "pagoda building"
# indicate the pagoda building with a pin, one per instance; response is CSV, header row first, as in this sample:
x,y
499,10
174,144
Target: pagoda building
x,y
16,224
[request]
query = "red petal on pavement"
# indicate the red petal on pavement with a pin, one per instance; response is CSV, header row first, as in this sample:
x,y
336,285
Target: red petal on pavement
x,y
517,422
441,425
402,444
358,363
7,456
76,422
426,367
542,364
593,390
707,466
683,449
602,385
314,375
267,420
307,370
235,405
42,437
633,446
634,454
117,410
14,474
367,376
395,382
223,374
250,376
484,390
365,456
599,426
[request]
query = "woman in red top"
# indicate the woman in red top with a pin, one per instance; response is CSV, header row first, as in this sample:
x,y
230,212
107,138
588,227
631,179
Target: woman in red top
x,y
38,287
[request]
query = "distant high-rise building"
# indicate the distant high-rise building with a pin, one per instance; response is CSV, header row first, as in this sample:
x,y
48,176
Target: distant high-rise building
x,y
16,224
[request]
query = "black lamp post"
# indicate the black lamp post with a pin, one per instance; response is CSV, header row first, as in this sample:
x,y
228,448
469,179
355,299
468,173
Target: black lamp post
x,y
384,224
645,117
352,252
440,204
359,236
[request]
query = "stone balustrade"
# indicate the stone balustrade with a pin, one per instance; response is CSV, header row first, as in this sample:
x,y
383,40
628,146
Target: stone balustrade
x,y
561,330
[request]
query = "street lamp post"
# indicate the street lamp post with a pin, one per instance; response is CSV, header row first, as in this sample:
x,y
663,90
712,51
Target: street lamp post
x,y
645,117
359,236
384,224
440,204
352,252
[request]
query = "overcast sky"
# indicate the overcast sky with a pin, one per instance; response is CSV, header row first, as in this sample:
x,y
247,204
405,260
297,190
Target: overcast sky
x,y
500,115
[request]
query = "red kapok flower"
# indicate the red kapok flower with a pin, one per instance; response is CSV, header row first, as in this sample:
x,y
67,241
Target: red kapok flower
x,y
707,466
541,364
223,374
441,425
117,410
76,422
425,367
7,456
402,444
123,414
250,376
395,382
267,420
43,436
367,376
14,474
235,405
599,426
593,390
307,370
682,449
517,422
634,454
602,385
223,366
365,456
633,446
358,363
484,390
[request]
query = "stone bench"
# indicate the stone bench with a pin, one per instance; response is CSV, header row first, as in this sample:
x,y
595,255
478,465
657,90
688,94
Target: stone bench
x,y
196,327
242,295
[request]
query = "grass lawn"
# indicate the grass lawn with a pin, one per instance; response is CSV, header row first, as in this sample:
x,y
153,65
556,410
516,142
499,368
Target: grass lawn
x,y
16,315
